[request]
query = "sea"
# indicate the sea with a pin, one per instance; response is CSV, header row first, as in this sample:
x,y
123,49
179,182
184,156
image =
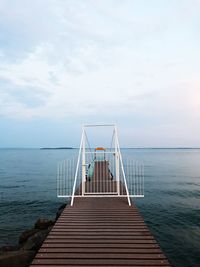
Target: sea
x,y
171,206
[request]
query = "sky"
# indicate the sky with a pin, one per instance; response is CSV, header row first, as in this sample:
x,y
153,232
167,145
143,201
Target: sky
x,y
64,63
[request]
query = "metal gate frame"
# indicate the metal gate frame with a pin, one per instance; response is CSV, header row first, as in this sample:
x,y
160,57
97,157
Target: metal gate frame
x,y
82,160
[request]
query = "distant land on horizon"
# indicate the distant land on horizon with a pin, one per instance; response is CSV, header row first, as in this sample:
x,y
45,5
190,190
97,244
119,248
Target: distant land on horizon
x,y
56,148
125,148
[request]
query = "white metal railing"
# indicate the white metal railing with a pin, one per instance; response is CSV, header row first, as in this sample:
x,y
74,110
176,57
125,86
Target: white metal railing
x,y
65,177
134,171
69,171
100,173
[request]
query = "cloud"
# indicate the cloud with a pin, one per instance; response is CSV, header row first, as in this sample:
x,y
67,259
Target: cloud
x,y
75,59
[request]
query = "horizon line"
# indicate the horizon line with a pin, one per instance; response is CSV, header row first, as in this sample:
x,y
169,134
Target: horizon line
x,y
64,147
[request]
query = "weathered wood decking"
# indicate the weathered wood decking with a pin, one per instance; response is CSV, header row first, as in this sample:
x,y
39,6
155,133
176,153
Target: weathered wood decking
x,y
100,231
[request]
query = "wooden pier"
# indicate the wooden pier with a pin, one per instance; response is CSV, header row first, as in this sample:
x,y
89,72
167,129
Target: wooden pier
x,y
100,231
101,227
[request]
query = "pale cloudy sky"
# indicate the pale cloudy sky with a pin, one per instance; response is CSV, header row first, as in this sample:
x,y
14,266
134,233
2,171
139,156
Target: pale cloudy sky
x,y
64,63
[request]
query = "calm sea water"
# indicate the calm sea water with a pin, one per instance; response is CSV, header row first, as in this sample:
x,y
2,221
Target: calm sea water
x,y
171,206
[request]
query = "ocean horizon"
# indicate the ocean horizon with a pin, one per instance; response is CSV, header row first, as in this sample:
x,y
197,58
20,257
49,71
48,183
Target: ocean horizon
x,y
78,147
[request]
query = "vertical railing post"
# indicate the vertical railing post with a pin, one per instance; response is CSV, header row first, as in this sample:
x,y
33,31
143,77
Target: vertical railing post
x,y
116,160
58,179
83,164
117,171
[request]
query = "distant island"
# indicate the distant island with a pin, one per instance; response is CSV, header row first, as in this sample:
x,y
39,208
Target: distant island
x,y
56,148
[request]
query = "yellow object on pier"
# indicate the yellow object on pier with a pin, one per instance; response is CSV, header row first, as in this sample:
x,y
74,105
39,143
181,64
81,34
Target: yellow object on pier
x,y
100,148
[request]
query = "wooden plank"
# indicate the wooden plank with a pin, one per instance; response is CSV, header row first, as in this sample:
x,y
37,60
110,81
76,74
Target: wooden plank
x,y
97,212
107,218
102,262
97,250
80,265
101,226
104,255
101,245
127,219
101,237
99,241
103,222
100,212
97,230
131,223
